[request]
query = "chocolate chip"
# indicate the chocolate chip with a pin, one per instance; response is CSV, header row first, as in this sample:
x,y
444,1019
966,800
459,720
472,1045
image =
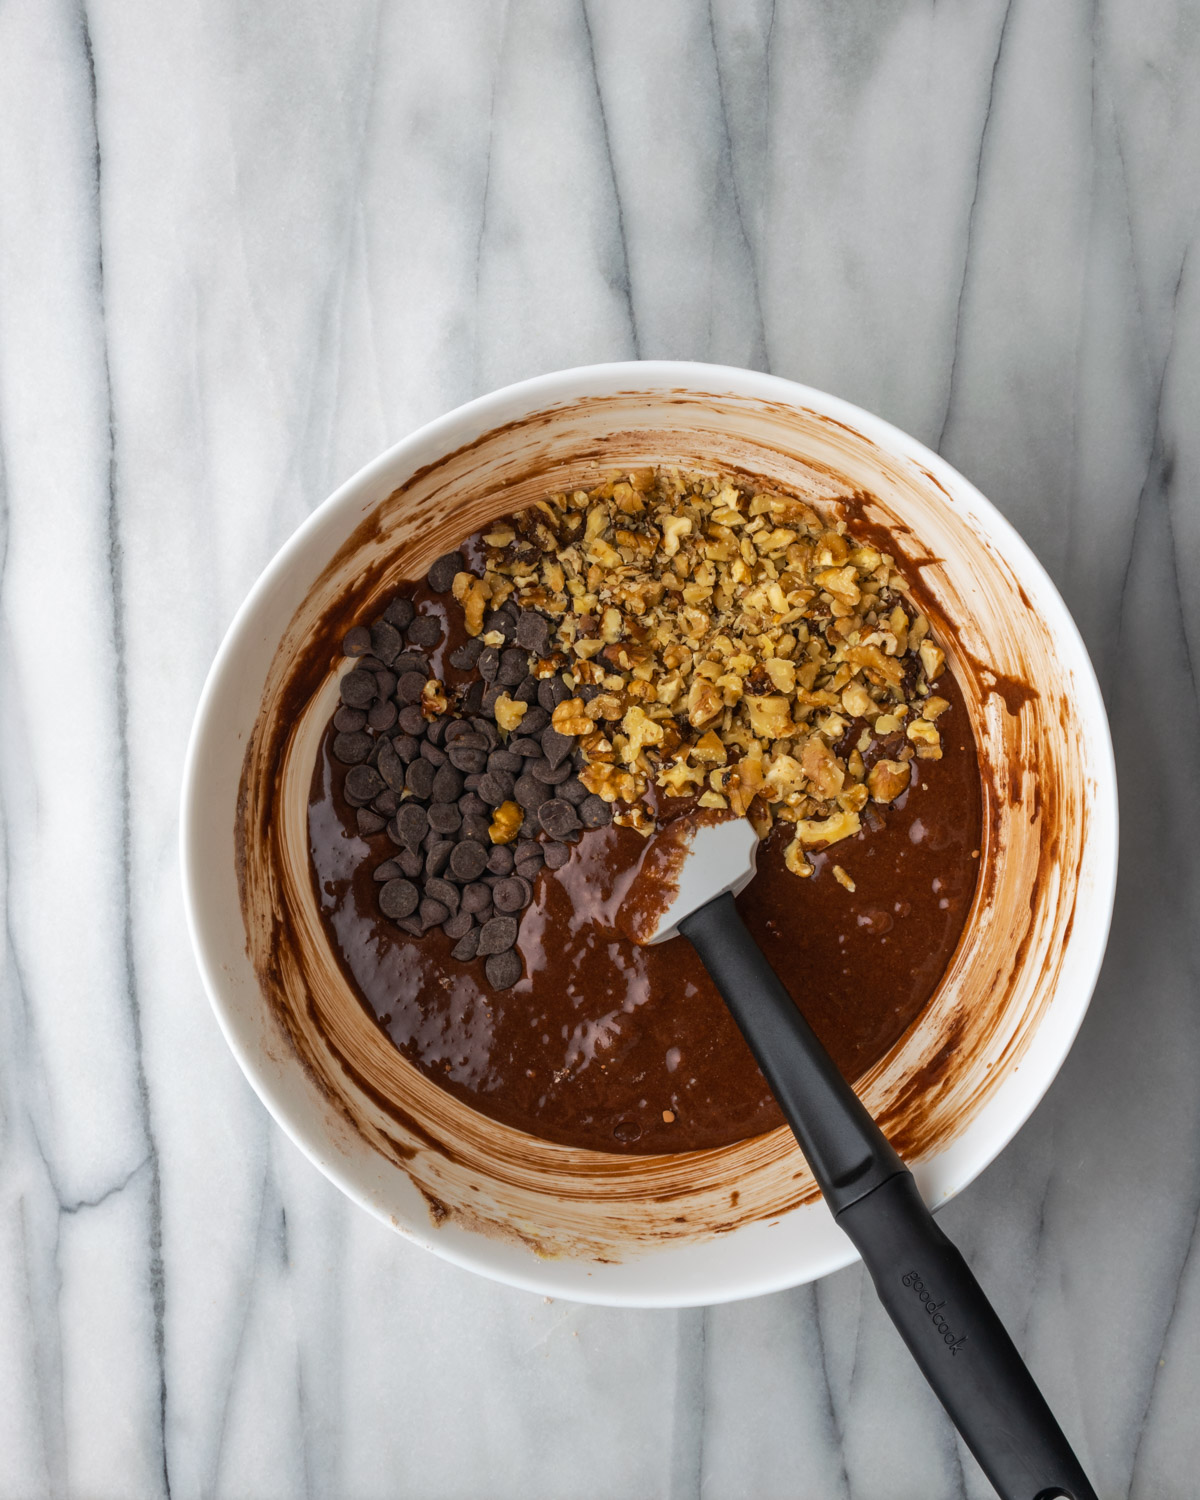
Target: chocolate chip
x,y
412,822
411,721
363,785
476,829
438,857
514,667
476,897
352,749
505,760
444,891
419,778
441,574
506,894
410,661
447,785
386,683
444,817
557,855
473,698
466,947
472,805
410,686
399,612
489,663
527,869
556,747
349,720
501,620
535,720
548,775
391,767
458,926
558,818
488,732
435,730
356,641
502,970
525,747
525,692
530,794
433,913
526,849
492,696
369,822
513,894
388,870
573,791
371,664
386,803
412,925
411,862
533,632
466,757
589,691
551,692
382,716
594,812
464,657
468,861
497,934
398,898
386,642
500,860
434,754
425,630
496,787
406,746
359,689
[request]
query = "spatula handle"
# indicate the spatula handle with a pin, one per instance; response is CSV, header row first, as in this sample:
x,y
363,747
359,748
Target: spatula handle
x,y
925,1285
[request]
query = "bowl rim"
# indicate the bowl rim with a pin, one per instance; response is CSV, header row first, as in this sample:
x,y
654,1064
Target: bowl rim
x,y
472,1251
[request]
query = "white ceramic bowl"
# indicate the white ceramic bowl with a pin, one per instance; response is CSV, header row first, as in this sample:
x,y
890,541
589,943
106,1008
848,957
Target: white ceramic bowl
x,y
717,1225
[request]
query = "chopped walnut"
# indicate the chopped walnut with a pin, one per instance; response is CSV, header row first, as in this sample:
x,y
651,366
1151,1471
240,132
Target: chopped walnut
x,y
570,717
506,823
509,713
793,858
887,779
819,833
926,738
433,698
723,642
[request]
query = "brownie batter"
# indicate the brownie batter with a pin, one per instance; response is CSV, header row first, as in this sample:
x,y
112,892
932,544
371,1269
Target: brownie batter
x,y
612,1047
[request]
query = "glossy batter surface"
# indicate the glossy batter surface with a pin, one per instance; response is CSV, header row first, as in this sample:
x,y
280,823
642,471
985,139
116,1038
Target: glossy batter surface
x,y
612,1047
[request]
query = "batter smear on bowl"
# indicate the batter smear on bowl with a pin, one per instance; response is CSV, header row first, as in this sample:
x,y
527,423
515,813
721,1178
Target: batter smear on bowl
x,y
513,726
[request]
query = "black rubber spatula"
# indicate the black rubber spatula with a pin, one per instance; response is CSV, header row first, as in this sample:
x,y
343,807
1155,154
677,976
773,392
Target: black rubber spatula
x,y
922,1280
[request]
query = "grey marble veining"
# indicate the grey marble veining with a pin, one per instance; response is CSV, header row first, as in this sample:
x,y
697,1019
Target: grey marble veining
x,y
245,246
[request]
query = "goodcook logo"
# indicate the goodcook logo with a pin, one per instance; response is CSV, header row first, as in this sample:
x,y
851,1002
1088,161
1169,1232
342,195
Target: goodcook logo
x,y
934,1309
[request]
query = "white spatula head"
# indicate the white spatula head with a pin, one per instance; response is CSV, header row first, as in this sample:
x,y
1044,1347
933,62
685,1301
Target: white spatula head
x,y
689,863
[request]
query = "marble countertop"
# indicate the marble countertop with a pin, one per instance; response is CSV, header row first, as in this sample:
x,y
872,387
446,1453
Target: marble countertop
x,y
246,246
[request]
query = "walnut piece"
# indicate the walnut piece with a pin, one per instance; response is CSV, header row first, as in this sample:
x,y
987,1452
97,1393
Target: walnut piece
x,y
570,717
724,642
508,712
887,779
506,823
